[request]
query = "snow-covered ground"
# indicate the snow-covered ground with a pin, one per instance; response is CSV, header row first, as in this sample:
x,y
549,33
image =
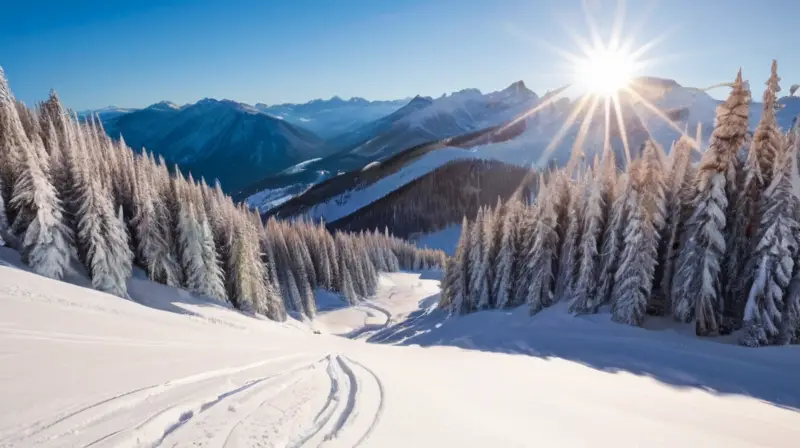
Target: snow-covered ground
x,y
445,239
83,368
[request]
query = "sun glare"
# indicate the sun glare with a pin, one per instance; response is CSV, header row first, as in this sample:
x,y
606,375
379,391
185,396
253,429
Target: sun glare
x,y
605,71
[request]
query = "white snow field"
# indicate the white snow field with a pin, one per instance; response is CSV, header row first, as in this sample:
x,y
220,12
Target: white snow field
x,y
83,368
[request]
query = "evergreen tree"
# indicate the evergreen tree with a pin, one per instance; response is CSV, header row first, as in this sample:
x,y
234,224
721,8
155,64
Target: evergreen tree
x,y
191,248
774,255
502,284
459,295
151,228
612,239
633,279
757,175
654,193
594,219
48,244
570,245
680,184
214,282
101,234
478,291
697,284
12,138
542,256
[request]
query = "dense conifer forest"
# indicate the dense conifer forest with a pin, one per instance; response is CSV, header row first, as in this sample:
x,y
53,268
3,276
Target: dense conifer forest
x,y
713,243
72,196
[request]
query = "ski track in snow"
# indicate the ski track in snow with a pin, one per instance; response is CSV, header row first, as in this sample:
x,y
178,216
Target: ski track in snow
x,y
81,368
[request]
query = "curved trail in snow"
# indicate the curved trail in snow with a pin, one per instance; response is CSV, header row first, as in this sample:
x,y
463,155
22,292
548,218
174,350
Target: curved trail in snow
x,y
99,375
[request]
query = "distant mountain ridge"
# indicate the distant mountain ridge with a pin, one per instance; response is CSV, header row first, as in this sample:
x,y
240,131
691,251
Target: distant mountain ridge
x,y
329,118
347,197
216,139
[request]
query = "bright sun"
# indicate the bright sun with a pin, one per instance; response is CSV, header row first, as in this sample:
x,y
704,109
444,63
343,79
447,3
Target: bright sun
x,y
605,71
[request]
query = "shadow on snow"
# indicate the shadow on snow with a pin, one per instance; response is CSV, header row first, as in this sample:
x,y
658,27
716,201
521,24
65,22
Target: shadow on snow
x,y
665,351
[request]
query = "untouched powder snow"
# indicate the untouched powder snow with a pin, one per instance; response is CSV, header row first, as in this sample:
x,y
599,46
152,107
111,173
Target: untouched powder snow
x,y
81,368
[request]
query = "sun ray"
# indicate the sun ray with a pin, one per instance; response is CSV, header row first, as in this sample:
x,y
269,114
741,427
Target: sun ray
x,y
563,130
607,135
616,28
659,113
577,147
621,128
594,33
554,96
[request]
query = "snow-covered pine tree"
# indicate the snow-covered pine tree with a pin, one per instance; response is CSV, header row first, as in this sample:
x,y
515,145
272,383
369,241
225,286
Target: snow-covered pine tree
x,y
48,243
612,245
774,254
680,187
299,266
459,295
101,235
633,279
266,299
214,285
756,176
697,283
594,220
287,282
190,244
478,287
30,124
508,254
654,193
12,139
240,281
150,226
351,285
542,257
569,256
494,236
52,111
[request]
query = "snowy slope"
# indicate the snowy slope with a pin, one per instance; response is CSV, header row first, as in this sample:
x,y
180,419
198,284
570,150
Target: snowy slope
x,y
351,201
445,239
422,120
84,368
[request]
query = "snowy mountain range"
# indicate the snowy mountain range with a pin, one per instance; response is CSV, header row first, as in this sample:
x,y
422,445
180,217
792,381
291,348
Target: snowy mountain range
x,y
329,118
226,140
271,154
684,107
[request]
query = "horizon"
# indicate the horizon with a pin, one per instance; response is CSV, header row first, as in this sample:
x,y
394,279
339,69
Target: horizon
x,y
96,54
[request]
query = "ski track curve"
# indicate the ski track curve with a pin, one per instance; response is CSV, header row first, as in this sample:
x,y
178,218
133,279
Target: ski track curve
x,y
352,409
381,404
167,422
76,420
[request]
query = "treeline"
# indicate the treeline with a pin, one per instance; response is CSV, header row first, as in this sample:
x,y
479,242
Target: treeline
x,y
69,193
442,197
714,244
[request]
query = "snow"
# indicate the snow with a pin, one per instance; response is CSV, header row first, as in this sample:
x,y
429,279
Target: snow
x,y
445,239
300,166
269,198
82,367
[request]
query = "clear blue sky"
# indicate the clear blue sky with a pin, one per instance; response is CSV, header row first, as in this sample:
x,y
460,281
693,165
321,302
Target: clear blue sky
x,y
134,53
